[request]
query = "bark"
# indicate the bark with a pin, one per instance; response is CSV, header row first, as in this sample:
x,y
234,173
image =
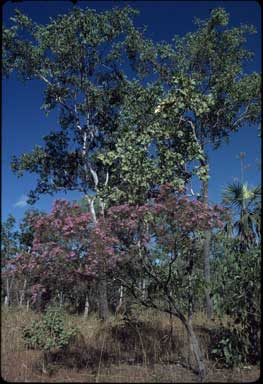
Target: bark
x,y
86,310
9,285
92,209
194,345
196,349
7,296
22,295
143,289
60,295
206,253
103,306
121,295
120,305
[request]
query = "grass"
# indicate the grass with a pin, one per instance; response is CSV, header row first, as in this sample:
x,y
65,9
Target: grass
x,y
116,351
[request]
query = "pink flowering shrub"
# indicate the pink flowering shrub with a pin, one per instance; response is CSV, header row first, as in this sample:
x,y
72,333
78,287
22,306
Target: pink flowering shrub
x,y
169,210
158,239
68,245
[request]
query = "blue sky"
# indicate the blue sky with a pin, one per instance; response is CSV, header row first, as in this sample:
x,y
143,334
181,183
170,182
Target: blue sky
x,y
24,124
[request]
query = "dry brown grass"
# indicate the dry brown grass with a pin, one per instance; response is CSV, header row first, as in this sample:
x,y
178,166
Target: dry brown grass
x,y
116,351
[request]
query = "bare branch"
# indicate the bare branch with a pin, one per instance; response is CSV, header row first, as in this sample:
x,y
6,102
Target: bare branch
x,y
242,116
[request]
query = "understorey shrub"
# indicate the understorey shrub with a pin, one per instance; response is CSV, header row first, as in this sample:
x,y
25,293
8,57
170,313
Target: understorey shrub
x,y
50,334
231,347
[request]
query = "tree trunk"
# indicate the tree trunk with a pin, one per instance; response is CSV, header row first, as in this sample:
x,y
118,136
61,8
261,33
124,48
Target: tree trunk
x,y
8,291
86,310
206,253
61,299
121,295
143,289
103,306
22,295
196,349
120,305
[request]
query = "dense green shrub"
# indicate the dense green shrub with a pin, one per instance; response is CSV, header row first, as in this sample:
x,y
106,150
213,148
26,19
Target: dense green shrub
x,y
50,333
236,293
230,348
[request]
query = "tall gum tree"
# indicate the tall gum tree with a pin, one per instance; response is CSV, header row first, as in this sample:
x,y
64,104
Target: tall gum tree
x,y
110,144
78,57
211,61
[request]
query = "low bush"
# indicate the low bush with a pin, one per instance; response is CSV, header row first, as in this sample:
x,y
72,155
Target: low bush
x,y
50,335
231,347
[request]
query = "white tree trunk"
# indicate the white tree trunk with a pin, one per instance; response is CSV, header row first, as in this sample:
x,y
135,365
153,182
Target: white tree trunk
x,y
121,295
22,294
8,289
60,295
143,289
120,306
87,306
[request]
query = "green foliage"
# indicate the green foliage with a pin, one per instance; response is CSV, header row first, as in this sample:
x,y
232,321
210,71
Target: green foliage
x,y
9,240
79,58
119,136
247,216
26,233
237,291
230,348
211,60
49,333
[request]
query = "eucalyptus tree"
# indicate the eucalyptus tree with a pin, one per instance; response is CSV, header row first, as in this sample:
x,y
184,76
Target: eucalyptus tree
x,y
211,62
110,145
78,57
149,151
9,248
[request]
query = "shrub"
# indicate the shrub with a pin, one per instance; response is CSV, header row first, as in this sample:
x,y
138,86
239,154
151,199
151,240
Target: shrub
x,y
50,333
230,347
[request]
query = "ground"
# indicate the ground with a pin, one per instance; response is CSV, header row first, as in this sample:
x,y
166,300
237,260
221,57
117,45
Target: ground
x,y
114,354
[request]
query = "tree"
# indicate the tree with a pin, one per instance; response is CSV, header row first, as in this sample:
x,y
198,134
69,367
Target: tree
x,y
9,248
236,293
246,204
26,233
172,223
9,237
78,57
149,151
66,247
211,61
100,149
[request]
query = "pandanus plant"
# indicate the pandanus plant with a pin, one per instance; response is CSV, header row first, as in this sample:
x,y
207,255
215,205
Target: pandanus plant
x,y
246,204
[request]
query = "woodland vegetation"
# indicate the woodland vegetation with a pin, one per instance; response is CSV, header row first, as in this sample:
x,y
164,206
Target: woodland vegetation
x,y
141,254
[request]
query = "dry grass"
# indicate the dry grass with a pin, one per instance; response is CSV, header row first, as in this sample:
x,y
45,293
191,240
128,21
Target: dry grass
x,y
116,351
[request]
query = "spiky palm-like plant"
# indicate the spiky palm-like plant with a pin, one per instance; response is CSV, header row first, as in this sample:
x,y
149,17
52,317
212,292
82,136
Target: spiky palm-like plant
x,y
246,204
